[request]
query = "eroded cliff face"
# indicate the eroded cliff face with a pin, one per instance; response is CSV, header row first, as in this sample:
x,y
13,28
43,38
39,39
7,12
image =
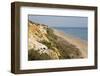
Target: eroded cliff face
x,y
37,33
43,44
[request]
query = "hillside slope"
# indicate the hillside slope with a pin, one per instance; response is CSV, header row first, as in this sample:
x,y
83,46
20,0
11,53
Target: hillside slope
x,y
43,44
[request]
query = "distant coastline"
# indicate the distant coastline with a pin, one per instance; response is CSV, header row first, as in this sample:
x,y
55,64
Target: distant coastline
x,y
79,32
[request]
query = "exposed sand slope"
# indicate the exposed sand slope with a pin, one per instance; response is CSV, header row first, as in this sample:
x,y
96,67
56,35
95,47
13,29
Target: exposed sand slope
x,y
81,44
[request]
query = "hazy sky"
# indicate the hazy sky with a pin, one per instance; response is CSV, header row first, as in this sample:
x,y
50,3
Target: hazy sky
x,y
60,21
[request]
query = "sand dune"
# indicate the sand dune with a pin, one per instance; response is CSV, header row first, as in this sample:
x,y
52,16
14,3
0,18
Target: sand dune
x,y
80,44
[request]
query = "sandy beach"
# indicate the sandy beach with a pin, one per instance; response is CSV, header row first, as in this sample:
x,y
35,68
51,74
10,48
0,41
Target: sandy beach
x,y
80,44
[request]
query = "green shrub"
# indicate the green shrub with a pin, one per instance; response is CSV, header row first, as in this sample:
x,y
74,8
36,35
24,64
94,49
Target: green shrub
x,y
51,34
48,44
35,55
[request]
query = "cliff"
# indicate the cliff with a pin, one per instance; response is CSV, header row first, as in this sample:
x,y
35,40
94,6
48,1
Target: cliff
x,y
44,44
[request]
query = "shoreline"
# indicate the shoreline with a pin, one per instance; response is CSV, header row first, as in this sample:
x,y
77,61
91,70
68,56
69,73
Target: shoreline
x,y
80,44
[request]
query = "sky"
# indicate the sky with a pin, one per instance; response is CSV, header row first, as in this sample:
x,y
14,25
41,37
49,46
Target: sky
x,y
60,21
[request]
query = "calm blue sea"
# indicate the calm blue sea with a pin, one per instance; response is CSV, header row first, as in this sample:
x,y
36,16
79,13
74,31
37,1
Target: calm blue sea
x,y
78,32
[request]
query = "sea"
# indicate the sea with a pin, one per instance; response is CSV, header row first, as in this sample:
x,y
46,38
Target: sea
x,y
78,32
